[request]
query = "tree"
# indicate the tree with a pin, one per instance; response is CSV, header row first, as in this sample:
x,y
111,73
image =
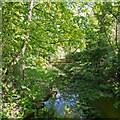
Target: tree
x,y
37,34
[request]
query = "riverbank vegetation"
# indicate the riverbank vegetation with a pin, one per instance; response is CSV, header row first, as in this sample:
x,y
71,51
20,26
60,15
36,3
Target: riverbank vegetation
x,y
86,32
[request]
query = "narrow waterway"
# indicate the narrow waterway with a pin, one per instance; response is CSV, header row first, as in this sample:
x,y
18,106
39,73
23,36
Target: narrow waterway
x,y
64,107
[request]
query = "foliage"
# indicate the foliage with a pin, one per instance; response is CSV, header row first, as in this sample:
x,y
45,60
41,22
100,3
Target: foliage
x,y
93,67
56,26
90,27
25,97
97,65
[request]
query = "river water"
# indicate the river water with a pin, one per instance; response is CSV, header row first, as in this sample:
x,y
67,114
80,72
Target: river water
x,y
62,106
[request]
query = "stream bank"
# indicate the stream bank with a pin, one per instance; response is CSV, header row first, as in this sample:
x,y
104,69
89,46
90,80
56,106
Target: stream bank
x,y
66,104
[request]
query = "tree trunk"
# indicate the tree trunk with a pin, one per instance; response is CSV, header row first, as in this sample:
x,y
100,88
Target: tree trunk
x,y
118,40
28,35
20,55
118,28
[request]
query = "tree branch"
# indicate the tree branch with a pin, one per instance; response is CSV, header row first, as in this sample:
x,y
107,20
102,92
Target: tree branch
x,y
25,43
36,4
109,42
113,13
43,11
44,41
116,37
110,11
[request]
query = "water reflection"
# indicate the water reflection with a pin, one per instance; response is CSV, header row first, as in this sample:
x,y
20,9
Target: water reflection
x,y
60,104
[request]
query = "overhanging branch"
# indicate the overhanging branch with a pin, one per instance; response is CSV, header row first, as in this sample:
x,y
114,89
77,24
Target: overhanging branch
x,y
109,42
44,41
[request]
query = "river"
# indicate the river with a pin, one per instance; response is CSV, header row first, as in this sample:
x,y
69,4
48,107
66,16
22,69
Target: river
x,y
62,106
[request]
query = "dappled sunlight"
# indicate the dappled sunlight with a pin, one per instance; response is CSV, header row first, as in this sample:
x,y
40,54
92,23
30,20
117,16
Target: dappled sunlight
x,y
60,60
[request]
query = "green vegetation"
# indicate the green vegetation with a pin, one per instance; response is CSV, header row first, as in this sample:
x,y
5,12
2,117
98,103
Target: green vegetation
x,y
92,80
25,97
86,32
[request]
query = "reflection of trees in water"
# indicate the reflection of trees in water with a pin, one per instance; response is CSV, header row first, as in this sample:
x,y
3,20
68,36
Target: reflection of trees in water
x,y
64,108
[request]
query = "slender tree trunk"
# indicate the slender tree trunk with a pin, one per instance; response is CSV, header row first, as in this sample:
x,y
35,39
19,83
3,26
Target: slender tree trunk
x,y
118,40
118,24
28,34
